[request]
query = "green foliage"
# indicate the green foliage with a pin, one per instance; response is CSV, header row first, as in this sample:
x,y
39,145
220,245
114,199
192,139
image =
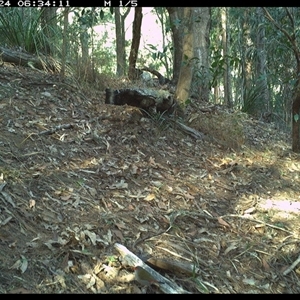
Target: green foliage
x,y
218,63
156,54
21,28
248,83
159,120
93,16
101,58
164,57
252,99
159,58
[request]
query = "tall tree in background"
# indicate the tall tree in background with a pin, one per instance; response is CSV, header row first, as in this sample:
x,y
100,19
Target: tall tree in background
x,y
245,51
201,17
65,42
120,40
289,28
183,87
263,104
136,36
194,72
49,27
84,42
226,54
177,27
86,20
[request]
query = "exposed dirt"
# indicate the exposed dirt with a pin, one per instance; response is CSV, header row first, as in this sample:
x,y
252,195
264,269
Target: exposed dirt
x,y
78,176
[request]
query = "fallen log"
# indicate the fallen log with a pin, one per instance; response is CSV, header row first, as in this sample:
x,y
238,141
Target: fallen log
x,y
22,58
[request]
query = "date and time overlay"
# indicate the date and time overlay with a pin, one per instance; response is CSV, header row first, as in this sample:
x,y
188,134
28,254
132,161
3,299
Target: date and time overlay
x,y
66,3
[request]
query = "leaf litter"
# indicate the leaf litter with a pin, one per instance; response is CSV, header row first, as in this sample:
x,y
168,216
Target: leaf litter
x,y
218,215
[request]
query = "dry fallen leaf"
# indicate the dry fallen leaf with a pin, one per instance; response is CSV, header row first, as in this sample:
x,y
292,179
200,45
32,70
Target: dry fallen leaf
x,y
21,264
91,235
152,161
120,185
31,203
149,197
93,191
118,234
65,197
222,222
265,265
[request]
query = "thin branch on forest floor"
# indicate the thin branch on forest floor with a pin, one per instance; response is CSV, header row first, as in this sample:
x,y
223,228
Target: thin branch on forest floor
x,y
257,221
56,128
292,266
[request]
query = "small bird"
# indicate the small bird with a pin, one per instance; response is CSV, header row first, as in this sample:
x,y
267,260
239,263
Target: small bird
x,y
144,277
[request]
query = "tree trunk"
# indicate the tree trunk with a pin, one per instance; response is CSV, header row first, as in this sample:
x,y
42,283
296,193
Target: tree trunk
x,y
183,87
65,42
201,28
133,73
296,121
262,105
177,26
84,41
49,25
225,44
246,62
296,108
296,50
120,40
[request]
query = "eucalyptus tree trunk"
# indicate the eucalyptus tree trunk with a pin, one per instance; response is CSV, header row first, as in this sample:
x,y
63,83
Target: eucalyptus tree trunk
x,y
120,40
84,43
201,18
49,27
177,27
226,49
194,73
136,36
261,73
247,67
65,41
183,86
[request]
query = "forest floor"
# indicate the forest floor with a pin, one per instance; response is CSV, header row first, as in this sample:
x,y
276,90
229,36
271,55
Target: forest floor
x,y
77,176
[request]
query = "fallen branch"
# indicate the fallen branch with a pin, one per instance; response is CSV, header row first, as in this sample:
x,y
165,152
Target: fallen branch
x,y
293,265
166,285
257,221
56,128
189,130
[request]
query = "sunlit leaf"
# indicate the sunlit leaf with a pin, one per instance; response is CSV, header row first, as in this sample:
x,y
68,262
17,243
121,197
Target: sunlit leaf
x,y
149,197
91,235
222,222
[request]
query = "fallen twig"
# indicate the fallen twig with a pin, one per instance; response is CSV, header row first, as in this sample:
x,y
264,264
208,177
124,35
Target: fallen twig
x,y
166,285
189,130
56,128
257,221
292,266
